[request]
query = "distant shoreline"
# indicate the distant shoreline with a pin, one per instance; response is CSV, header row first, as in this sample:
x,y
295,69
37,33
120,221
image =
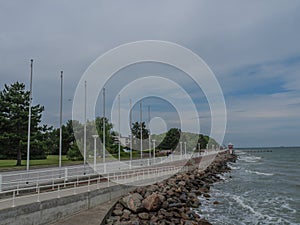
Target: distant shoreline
x,y
242,148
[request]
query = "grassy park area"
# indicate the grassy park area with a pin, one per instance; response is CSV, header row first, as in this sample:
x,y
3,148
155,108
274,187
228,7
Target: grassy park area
x,y
52,160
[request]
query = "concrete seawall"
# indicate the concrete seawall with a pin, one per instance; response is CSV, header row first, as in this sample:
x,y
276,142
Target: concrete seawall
x,y
52,210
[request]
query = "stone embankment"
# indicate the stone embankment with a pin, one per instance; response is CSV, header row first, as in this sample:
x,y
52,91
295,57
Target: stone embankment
x,y
170,201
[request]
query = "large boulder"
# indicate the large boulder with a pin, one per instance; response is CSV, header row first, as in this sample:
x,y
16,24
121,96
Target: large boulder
x,y
133,202
152,202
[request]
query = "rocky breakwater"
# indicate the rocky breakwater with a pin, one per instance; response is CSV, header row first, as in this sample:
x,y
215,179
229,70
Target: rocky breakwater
x,y
170,201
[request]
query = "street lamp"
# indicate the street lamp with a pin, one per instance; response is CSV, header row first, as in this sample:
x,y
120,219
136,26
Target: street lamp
x,y
130,104
180,149
60,119
95,151
154,150
119,124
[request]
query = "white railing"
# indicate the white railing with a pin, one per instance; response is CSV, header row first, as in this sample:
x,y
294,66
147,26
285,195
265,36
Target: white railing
x,y
17,197
10,181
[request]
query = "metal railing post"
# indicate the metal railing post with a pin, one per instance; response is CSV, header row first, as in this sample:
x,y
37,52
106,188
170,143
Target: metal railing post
x,y
75,188
38,196
18,186
13,200
0,182
66,174
58,191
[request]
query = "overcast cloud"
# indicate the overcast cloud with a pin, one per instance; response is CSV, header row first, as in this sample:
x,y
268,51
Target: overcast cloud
x,y
251,46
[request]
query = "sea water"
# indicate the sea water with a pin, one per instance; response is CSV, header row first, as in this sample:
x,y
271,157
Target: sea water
x,y
262,188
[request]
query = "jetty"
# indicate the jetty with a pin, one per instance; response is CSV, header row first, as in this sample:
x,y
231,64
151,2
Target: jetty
x,y
257,150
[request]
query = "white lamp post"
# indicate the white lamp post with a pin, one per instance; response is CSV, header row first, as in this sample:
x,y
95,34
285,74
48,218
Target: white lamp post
x,y
95,151
141,130
185,149
103,135
60,120
119,124
130,133
180,149
154,150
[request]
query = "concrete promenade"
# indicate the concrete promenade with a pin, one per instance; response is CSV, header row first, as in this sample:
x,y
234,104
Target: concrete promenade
x,y
82,202
92,216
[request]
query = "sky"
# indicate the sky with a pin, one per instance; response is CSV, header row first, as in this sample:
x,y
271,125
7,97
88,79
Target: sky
x,y
252,47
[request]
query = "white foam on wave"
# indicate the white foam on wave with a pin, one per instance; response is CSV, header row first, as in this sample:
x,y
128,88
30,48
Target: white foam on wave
x,y
233,167
288,207
250,159
221,177
251,213
259,173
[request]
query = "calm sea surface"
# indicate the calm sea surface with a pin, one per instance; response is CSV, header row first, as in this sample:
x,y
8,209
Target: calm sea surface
x,y
264,189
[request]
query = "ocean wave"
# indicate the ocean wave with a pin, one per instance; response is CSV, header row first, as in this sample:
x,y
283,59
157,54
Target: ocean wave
x,y
248,209
259,173
233,167
258,216
250,159
222,177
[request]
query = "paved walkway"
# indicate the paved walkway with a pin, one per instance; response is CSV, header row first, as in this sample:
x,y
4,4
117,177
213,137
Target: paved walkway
x,y
92,216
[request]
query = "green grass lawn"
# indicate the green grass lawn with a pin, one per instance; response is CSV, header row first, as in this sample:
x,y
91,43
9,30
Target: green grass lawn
x,y
51,160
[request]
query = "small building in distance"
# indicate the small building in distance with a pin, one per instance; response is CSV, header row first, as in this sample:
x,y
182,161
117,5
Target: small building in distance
x,y
230,147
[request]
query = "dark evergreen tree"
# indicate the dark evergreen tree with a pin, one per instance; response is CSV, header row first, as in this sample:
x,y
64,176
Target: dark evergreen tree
x,y
171,139
14,106
203,142
136,130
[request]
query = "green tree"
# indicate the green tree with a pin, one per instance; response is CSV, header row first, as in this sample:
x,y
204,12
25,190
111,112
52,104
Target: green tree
x,y
203,142
110,144
67,138
14,105
171,139
136,130
74,152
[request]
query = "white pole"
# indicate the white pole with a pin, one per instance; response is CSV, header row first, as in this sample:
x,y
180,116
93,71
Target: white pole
x,y
185,149
95,151
180,149
154,149
60,117
141,130
84,134
103,126
29,116
119,115
0,182
149,132
130,132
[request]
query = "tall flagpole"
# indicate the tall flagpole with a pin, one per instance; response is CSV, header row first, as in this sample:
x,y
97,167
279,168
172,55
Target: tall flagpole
x,y
119,147
104,125
149,131
29,116
84,134
130,132
141,131
60,120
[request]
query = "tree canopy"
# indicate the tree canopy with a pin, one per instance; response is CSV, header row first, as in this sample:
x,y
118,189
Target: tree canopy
x,y
14,107
136,130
